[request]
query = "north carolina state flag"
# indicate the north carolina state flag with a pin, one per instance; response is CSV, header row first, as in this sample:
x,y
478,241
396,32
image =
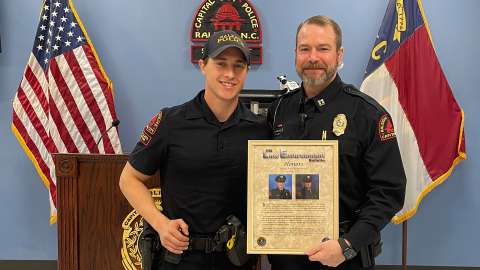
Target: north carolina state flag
x,y
404,75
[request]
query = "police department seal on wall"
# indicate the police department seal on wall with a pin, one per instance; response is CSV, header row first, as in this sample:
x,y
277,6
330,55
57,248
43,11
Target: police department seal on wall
x,y
217,15
132,228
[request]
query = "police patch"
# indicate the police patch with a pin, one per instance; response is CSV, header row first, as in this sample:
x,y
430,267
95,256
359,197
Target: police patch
x,y
150,129
385,128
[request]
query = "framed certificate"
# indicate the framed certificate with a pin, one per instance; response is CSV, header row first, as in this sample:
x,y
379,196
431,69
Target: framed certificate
x,y
292,195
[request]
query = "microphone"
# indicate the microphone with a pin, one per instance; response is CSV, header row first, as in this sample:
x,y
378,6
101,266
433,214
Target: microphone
x,y
115,123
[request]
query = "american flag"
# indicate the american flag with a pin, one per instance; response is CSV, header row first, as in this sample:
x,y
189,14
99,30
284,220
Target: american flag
x,y
64,103
405,76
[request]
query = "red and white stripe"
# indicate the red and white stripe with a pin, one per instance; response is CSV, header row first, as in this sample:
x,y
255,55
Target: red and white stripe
x,y
428,121
64,110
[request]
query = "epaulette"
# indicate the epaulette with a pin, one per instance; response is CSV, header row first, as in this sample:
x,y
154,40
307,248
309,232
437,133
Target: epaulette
x,y
169,111
352,90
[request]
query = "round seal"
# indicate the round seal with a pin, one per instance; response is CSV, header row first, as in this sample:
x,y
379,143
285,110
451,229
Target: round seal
x,y
132,229
261,241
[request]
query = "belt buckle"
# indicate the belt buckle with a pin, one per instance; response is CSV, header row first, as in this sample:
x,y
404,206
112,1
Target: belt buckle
x,y
209,247
190,244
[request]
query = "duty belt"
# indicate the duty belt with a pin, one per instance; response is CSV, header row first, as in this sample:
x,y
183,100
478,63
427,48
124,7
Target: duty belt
x,y
206,244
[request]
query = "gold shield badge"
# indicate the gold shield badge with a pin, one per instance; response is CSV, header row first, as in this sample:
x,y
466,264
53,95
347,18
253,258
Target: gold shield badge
x,y
339,124
132,229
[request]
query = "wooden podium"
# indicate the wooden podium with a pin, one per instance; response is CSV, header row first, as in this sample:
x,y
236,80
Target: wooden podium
x,y
94,217
97,227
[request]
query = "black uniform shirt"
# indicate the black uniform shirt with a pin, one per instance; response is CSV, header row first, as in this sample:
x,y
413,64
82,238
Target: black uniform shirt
x,y
305,193
202,162
280,194
372,179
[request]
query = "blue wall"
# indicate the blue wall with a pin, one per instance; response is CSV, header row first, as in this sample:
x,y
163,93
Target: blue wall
x,y
144,47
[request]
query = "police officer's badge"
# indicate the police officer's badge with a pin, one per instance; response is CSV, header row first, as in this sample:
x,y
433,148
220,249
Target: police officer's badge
x,y
339,124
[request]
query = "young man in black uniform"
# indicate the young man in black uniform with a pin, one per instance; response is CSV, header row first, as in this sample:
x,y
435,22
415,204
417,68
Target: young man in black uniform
x,y
280,192
200,149
372,179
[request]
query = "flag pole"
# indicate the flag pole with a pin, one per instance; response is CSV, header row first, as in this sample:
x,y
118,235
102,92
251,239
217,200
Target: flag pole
x,y
404,244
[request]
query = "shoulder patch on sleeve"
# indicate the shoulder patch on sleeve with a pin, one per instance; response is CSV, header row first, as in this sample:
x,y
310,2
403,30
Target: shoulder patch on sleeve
x,y
385,128
151,129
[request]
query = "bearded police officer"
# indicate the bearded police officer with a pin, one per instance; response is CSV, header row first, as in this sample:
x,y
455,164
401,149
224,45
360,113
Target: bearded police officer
x,y
372,179
307,191
200,149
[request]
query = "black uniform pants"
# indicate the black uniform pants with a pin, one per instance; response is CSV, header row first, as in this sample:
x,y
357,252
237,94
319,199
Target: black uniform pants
x,y
198,260
285,262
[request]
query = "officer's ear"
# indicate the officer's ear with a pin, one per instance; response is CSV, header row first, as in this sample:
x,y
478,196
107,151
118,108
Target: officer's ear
x,y
202,63
340,55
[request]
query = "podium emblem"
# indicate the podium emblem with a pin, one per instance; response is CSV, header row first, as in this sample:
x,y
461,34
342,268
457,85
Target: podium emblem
x,y
132,229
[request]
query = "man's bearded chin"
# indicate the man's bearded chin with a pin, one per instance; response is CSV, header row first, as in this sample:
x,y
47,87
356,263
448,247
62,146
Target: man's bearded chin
x,y
313,82
327,76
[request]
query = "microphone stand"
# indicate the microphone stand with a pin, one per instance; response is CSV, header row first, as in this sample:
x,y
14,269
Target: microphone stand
x,y
115,123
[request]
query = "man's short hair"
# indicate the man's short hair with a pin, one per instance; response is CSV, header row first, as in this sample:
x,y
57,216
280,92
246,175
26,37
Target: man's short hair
x,y
323,21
